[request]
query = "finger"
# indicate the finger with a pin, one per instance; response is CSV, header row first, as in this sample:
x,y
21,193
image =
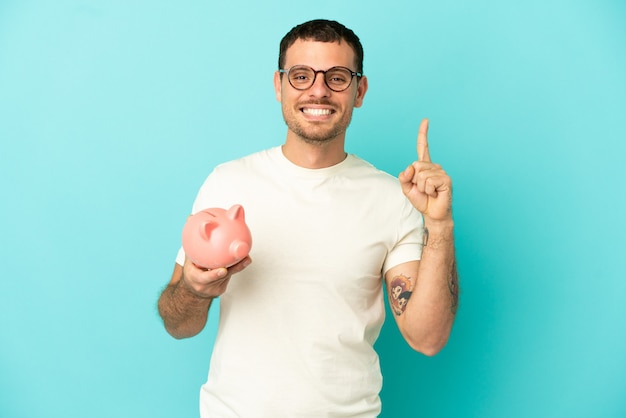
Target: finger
x,y
407,175
406,179
429,172
431,186
206,276
422,142
236,268
217,273
194,270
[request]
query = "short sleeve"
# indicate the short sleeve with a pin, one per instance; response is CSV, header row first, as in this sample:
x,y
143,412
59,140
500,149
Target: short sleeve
x,y
410,238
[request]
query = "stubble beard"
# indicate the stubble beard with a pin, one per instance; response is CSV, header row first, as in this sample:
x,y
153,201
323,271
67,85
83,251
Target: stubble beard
x,y
316,133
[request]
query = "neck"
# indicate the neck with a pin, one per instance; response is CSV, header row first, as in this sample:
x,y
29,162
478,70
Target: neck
x,y
309,154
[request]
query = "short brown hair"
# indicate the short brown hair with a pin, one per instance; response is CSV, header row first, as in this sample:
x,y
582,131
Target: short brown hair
x,y
322,30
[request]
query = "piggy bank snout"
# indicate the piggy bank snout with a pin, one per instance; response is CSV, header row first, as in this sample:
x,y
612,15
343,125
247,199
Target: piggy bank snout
x,y
239,249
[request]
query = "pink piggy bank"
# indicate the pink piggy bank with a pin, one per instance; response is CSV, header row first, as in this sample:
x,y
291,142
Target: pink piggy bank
x,y
216,237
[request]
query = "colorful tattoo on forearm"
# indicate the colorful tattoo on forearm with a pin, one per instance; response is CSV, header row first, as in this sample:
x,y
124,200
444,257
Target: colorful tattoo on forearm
x,y
400,291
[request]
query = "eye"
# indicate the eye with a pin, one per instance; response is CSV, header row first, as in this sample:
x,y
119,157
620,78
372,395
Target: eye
x,y
300,75
338,76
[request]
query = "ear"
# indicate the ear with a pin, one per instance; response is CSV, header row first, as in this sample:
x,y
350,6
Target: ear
x,y
235,213
278,86
361,89
206,228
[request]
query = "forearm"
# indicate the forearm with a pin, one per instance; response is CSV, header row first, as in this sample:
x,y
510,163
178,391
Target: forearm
x,y
431,310
184,313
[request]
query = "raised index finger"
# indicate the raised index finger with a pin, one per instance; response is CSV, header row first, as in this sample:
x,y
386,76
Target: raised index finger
x,y
422,142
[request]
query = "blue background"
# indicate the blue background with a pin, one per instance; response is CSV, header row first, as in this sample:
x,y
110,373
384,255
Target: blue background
x,y
113,112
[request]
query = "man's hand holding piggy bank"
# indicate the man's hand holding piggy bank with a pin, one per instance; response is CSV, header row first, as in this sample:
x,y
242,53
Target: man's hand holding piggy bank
x,y
217,243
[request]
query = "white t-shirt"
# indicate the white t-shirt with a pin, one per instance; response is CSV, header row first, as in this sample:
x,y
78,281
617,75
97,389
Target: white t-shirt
x,y
297,327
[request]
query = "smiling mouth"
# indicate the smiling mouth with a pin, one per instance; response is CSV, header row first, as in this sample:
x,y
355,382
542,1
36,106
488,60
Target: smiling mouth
x,y
316,112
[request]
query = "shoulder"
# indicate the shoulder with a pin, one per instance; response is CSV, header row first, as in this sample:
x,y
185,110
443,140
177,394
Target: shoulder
x,y
230,180
253,161
367,172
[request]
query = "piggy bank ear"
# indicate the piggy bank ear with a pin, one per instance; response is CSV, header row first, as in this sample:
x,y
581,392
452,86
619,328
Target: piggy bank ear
x,y
235,213
206,228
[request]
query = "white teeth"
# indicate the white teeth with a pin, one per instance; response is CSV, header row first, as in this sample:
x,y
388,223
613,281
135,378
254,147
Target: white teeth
x,y
316,112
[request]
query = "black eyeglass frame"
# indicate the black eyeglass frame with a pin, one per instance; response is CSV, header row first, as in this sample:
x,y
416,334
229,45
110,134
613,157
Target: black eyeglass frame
x,y
315,72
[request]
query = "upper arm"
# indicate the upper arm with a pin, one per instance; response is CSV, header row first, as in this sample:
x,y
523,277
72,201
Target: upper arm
x,y
401,281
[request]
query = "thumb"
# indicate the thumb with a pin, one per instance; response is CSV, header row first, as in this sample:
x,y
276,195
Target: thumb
x,y
406,179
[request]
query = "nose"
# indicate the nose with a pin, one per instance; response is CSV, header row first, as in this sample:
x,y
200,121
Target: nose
x,y
319,87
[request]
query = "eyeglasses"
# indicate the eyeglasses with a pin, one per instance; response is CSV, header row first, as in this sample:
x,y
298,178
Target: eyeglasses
x,y
302,77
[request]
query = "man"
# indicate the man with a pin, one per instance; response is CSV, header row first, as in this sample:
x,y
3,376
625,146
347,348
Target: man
x,y
297,326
